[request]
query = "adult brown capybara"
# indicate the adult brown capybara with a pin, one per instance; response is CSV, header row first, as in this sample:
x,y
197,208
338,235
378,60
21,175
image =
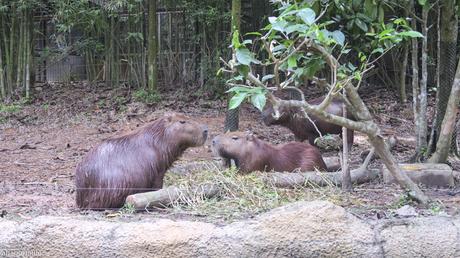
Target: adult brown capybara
x,y
302,127
135,162
252,154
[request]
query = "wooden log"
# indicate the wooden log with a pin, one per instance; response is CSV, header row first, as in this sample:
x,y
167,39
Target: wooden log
x,y
429,174
166,196
289,180
332,163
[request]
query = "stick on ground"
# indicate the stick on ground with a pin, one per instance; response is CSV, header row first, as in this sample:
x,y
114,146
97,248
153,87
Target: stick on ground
x,y
169,195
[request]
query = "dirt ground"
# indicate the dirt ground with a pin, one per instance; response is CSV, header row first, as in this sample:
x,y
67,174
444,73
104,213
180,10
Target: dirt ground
x,y
41,143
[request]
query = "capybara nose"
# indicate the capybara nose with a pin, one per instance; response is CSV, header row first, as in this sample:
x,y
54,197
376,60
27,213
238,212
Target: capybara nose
x,y
214,141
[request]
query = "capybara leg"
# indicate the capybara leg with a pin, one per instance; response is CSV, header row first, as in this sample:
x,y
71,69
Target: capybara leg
x,y
158,183
226,163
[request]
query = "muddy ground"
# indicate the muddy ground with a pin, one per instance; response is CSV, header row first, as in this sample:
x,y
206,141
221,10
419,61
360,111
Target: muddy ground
x,y
41,143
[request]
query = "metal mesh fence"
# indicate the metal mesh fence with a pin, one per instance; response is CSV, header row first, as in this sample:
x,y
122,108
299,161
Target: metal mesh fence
x,y
61,58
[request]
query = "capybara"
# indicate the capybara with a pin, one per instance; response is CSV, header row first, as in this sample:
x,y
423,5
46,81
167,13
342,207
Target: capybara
x,y
252,154
135,162
301,126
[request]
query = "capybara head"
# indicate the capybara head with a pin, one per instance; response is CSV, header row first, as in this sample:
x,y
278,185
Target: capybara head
x,y
269,116
185,131
232,145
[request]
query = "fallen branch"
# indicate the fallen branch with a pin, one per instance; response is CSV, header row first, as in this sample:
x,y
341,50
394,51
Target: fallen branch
x,y
369,155
290,180
169,195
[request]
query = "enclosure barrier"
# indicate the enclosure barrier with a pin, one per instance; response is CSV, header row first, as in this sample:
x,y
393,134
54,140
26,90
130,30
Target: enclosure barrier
x,y
303,229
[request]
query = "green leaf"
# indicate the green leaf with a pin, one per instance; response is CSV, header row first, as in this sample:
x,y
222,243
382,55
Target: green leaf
x,y
377,50
243,70
267,77
292,61
259,100
412,34
358,76
307,15
278,48
362,25
245,57
247,41
381,17
278,24
296,27
339,37
255,33
238,89
422,2
219,72
371,9
237,99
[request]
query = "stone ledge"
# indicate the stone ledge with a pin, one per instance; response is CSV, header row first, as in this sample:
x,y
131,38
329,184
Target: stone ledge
x,y
303,229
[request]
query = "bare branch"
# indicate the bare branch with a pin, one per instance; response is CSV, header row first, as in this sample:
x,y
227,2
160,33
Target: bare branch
x,y
302,96
322,13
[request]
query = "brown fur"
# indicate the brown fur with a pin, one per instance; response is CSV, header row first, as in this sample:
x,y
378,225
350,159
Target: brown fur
x,y
253,154
135,162
302,128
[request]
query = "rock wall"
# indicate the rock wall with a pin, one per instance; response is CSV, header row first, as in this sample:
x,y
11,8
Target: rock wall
x,y
303,229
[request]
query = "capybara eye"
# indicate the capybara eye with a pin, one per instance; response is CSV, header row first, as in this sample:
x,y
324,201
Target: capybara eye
x,y
182,121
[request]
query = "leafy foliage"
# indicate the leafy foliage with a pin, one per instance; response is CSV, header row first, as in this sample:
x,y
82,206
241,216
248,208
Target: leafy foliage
x,y
144,96
298,23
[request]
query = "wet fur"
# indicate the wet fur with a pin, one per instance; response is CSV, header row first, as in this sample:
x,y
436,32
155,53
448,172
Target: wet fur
x,y
125,165
302,128
254,154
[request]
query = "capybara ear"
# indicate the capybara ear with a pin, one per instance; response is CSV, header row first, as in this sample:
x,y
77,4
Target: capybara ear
x,y
169,116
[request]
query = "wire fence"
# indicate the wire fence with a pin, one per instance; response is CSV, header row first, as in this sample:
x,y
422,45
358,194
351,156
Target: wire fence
x,y
60,58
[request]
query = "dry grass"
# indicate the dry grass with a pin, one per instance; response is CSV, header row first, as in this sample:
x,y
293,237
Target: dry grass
x,y
244,196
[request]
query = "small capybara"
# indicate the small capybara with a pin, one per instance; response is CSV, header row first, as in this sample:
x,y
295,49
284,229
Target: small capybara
x,y
135,162
301,126
252,154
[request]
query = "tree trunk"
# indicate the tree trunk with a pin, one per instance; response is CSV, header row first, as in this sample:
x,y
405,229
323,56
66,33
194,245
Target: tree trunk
x,y
422,116
448,123
416,87
447,59
20,52
2,79
232,118
402,74
28,52
346,178
152,47
10,65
